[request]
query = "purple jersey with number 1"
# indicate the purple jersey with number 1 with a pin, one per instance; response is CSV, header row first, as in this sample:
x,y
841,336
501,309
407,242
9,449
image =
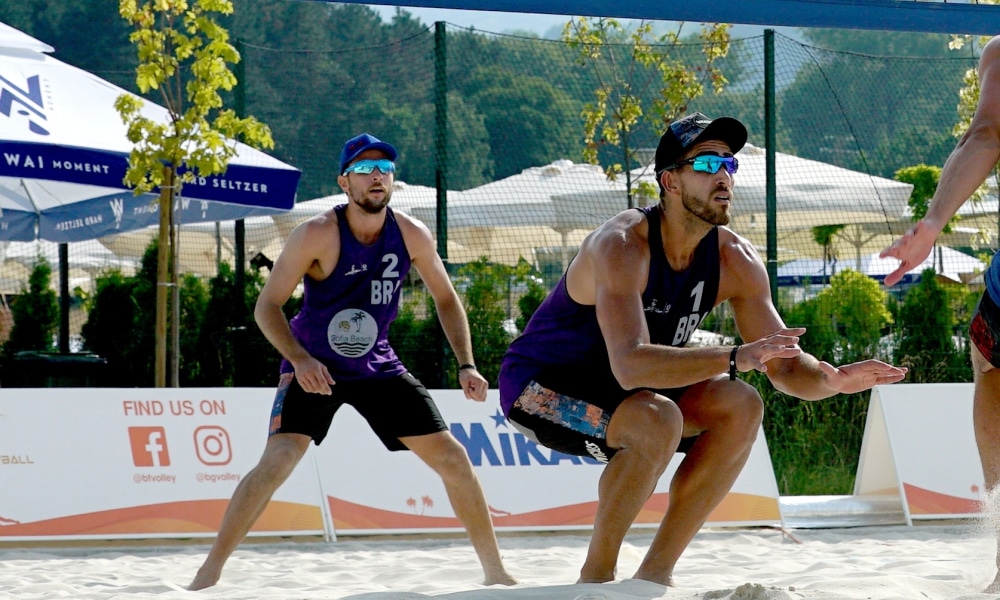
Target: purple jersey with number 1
x,y
344,321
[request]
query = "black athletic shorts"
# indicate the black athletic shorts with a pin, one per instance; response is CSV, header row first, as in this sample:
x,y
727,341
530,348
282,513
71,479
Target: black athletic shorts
x,y
394,408
984,330
575,420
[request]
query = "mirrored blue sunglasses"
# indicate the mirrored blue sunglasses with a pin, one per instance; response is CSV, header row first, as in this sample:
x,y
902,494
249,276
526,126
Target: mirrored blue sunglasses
x,y
708,163
365,167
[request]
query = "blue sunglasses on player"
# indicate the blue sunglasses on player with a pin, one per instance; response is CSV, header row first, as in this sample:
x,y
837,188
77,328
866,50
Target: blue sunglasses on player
x,y
365,167
708,163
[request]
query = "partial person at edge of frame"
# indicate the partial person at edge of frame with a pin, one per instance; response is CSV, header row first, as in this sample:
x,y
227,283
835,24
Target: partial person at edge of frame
x,y
970,163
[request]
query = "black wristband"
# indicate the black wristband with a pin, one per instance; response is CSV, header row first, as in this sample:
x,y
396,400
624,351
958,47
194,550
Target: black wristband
x,y
732,363
467,366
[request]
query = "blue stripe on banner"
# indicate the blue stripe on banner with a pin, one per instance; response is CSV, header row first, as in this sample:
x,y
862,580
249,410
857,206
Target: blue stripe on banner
x,y
248,185
17,226
109,215
241,184
59,163
879,15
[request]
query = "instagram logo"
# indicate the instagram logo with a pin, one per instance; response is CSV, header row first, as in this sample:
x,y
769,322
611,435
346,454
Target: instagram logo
x,y
149,447
211,443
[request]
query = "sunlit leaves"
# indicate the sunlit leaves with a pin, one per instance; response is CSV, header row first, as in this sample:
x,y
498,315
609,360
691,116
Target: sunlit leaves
x,y
644,82
184,56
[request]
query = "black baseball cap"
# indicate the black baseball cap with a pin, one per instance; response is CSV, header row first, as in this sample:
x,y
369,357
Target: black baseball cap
x,y
693,128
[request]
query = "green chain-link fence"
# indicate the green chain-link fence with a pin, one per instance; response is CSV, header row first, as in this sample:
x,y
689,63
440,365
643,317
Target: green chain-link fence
x,y
519,195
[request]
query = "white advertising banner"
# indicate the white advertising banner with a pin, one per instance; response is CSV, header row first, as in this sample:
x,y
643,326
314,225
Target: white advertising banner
x,y
919,444
129,463
528,487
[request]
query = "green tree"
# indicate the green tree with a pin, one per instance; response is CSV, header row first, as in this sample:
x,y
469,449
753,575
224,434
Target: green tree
x,y
520,115
469,162
485,298
926,334
418,342
924,179
120,324
815,445
865,106
644,82
529,302
36,313
824,235
110,330
184,56
230,348
854,307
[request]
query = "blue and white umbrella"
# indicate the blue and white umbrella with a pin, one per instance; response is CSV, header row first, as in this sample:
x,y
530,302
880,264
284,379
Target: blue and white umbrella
x,y
64,153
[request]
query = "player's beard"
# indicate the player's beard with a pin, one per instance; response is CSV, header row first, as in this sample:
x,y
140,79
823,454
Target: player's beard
x,y
706,210
370,205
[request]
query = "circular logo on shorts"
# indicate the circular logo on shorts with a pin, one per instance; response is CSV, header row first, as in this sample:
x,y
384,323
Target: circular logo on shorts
x,y
352,332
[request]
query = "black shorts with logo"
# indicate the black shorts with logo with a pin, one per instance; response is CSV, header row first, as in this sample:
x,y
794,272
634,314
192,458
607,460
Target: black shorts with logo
x,y
984,330
575,419
394,408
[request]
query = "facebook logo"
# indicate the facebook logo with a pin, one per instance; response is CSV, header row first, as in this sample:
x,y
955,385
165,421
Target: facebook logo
x,y
149,447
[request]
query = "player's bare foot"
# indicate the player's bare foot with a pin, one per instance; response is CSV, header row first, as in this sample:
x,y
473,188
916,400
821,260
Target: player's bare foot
x,y
203,580
993,588
501,577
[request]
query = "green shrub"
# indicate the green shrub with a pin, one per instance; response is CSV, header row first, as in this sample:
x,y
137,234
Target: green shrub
x,y
815,445
36,314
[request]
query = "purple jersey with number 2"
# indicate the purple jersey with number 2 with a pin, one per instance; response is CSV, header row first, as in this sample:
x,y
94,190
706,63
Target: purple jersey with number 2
x,y
344,321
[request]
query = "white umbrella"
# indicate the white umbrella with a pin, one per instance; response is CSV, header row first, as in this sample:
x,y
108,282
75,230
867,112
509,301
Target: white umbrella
x,y
64,152
202,245
808,193
15,38
514,217
86,261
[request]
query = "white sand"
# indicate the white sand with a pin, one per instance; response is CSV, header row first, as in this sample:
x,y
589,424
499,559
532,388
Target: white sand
x,y
930,561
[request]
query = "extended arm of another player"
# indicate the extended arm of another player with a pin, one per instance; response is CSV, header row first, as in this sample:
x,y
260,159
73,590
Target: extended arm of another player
x,y
969,164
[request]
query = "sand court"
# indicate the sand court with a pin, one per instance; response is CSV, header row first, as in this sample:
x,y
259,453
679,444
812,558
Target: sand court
x,y
929,561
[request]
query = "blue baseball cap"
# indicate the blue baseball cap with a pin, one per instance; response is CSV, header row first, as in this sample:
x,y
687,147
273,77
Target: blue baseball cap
x,y
356,145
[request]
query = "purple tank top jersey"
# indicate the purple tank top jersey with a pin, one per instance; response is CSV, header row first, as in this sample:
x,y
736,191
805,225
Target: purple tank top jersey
x,y
344,321
564,332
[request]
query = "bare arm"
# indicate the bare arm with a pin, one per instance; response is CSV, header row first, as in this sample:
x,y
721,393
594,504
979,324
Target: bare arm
x,y
451,313
803,375
617,261
301,254
965,170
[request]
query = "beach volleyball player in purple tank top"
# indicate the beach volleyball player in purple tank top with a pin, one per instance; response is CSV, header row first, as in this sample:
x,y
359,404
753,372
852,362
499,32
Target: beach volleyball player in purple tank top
x,y
601,369
352,261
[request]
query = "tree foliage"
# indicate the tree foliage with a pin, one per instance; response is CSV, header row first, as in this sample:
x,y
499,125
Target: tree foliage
x,y
928,339
644,82
183,56
36,313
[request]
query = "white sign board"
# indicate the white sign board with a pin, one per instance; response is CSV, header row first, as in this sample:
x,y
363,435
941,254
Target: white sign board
x,y
919,444
129,463
528,487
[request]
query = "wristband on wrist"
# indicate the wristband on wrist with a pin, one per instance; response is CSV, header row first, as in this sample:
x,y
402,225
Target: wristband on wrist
x,y
732,363
467,366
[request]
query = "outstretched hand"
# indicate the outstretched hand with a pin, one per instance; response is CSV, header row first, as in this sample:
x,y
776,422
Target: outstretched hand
x,y
783,343
860,376
911,249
